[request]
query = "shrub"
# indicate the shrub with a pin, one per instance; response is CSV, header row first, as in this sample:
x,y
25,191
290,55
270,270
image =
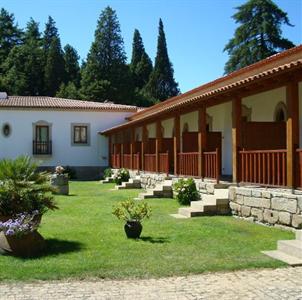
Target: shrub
x,y
23,189
70,172
185,191
107,173
122,175
130,210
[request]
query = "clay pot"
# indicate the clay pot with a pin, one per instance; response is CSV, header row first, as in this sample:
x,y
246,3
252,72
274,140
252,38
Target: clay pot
x,y
133,229
28,245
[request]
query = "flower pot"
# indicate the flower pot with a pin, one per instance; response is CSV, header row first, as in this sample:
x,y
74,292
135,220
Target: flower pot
x,y
61,183
37,218
28,245
133,229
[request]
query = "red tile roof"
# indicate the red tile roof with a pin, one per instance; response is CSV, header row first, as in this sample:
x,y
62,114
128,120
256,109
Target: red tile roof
x,y
43,102
282,62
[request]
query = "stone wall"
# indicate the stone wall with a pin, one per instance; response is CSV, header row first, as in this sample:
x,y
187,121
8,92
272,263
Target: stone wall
x,y
270,206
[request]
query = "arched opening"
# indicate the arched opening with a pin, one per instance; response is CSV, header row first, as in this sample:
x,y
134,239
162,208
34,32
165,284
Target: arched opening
x,y
280,112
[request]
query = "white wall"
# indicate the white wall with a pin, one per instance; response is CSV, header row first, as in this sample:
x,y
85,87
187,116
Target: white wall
x,y
222,121
20,140
191,119
151,128
263,104
168,126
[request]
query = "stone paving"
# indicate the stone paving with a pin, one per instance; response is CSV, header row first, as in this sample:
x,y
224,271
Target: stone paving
x,y
283,283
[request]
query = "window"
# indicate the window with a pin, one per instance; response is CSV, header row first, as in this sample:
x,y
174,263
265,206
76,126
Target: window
x,y
80,134
41,138
280,112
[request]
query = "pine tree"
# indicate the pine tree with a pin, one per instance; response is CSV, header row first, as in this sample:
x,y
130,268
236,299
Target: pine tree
x,y
10,34
50,33
69,91
106,75
162,84
54,68
259,34
72,67
23,74
141,64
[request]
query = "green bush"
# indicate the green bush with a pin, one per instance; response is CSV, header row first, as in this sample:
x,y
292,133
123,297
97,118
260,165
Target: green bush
x,y
23,189
107,173
122,175
130,210
185,191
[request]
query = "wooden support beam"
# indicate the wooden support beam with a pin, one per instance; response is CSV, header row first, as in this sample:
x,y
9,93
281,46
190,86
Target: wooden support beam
x,y
132,141
292,130
158,143
176,142
202,136
143,145
236,137
109,150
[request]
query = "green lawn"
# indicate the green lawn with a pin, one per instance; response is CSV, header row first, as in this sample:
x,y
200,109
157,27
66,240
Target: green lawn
x,y
85,240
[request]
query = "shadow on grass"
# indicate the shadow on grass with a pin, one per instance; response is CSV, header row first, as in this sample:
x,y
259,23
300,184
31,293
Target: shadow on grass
x,y
158,240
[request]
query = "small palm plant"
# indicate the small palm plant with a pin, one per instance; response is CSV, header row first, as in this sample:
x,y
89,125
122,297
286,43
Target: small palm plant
x,y
23,189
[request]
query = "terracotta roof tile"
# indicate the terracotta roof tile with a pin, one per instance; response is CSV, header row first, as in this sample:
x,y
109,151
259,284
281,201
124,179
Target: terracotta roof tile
x,y
44,102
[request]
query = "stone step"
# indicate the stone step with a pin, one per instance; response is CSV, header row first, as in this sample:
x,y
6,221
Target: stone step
x,y
190,212
107,180
291,247
299,235
291,260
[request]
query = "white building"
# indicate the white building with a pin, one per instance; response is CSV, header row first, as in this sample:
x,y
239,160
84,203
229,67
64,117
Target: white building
x,y
58,131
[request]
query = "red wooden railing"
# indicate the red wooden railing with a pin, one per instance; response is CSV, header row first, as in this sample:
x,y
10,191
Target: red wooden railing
x,y
188,163
150,162
267,167
127,161
135,162
116,161
164,162
299,168
212,164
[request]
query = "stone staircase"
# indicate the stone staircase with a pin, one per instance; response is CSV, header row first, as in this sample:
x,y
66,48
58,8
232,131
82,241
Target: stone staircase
x,y
288,251
211,204
161,190
107,180
132,183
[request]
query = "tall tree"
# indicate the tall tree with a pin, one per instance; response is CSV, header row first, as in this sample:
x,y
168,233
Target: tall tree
x,y
162,84
141,64
259,34
54,68
23,74
10,34
50,33
105,74
72,67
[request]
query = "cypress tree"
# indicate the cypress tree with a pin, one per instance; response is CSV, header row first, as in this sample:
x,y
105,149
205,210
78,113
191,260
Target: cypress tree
x,y
162,84
105,74
50,33
141,64
54,68
72,67
259,34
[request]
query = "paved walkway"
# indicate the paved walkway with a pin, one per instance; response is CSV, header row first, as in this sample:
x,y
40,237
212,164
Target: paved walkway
x,y
256,284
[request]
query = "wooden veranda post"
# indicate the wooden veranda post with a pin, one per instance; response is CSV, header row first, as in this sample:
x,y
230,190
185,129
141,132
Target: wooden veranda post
x,y
122,150
202,135
132,141
292,130
143,145
176,142
109,150
158,143
236,137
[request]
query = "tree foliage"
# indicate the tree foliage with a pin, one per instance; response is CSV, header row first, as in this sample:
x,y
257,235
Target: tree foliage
x,y
106,75
72,67
259,34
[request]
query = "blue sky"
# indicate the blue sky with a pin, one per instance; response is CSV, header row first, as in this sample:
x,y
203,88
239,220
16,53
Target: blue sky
x,y
196,30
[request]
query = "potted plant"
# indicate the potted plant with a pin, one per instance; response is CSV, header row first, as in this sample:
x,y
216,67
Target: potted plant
x,y
122,175
60,181
133,214
25,195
